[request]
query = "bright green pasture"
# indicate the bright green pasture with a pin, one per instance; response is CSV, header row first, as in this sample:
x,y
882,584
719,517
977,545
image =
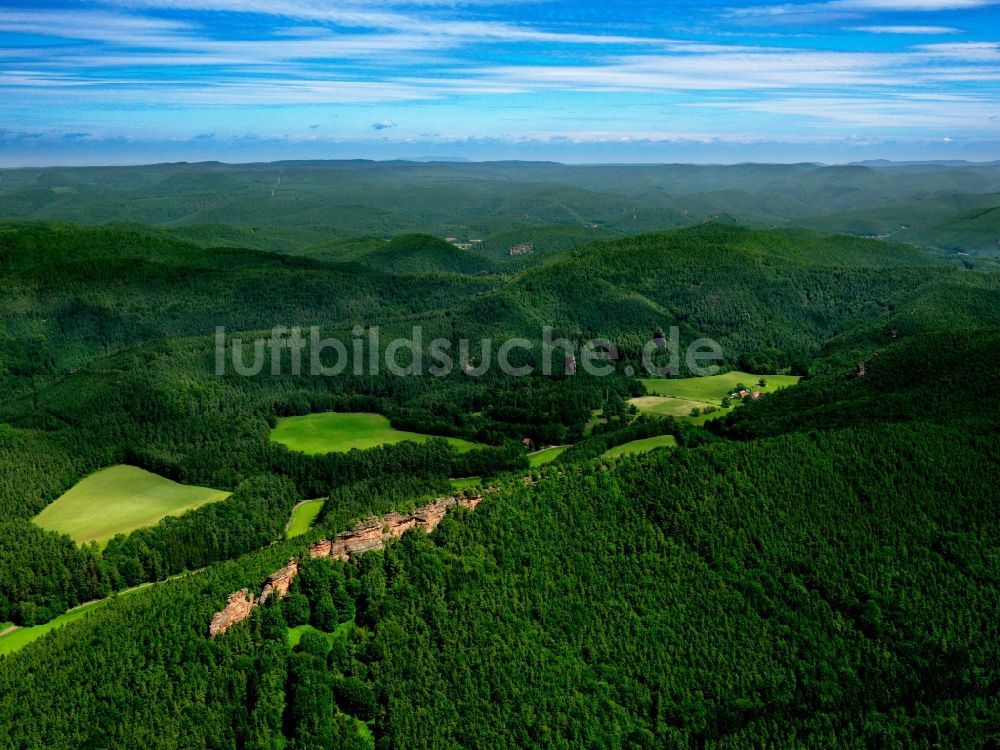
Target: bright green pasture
x,y
712,389
120,499
18,639
545,455
337,432
465,483
676,397
665,406
641,446
303,516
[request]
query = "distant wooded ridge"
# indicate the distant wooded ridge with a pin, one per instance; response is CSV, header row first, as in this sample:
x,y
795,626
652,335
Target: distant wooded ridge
x,y
297,205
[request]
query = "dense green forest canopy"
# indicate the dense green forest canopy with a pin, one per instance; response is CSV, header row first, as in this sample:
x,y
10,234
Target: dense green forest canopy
x,y
109,358
818,568
813,589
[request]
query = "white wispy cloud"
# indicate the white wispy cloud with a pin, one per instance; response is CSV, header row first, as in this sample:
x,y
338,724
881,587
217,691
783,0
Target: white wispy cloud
x,y
912,5
385,16
903,29
114,28
395,51
762,69
839,10
870,112
970,52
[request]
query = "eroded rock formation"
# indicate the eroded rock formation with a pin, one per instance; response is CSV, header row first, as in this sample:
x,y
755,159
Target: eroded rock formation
x,y
371,533
239,605
238,608
279,581
368,534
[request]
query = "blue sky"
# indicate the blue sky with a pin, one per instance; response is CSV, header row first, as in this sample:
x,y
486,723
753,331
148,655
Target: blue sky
x,y
131,81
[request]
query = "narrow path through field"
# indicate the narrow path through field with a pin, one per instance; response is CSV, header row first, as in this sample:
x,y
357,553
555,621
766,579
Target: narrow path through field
x,y
291,515
15,637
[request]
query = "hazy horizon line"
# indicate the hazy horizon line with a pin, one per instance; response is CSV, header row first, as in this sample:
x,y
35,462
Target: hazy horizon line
x,y
462,161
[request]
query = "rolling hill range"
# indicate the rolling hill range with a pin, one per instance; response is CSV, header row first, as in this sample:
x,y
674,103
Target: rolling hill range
x,y
75,292
752,291
405,254
814,567
109,351
286,206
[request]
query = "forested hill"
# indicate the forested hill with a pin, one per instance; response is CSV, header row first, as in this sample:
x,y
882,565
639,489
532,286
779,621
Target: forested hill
x,y
75,293
288,206
773,297
945,378
770,298
818,569
422,253
822,588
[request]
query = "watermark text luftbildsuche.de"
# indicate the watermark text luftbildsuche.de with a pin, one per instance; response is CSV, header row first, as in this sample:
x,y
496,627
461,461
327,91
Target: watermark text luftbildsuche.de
x,y
290,350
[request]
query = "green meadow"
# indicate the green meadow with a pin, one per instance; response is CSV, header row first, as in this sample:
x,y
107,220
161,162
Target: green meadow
x,y
337,432
713,388
545,455
465,483
676,397
21,637
668,406
303,516
641,446
120,499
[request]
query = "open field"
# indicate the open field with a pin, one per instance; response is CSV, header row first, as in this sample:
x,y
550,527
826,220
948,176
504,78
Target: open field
x,y
712,389
21,637
120,499
667,406
337,432
641,446
464,483
545,455
303,516
676,397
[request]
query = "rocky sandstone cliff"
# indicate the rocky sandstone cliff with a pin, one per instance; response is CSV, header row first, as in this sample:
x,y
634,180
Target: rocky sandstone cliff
x,y
238,608
366,535
371,533
279,581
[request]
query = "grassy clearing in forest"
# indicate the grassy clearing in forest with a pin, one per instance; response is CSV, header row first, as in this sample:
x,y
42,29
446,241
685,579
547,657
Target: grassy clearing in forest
x,y
303,516
711,389
641,446
337,432
120,499
545,455
676,397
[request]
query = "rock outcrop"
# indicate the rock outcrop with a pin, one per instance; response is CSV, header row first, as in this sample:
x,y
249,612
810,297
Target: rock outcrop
x,y
240,604
371,533
366,535
279,581
238,608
